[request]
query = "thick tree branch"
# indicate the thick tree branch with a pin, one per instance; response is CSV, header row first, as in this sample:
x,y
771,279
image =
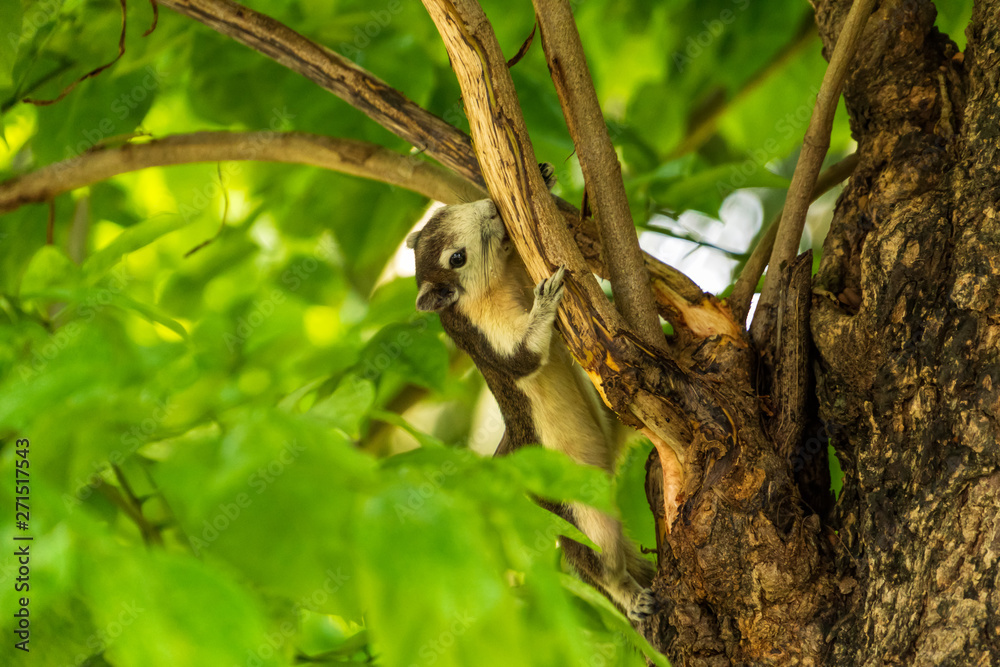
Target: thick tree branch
x,y
601,169
814,147
349,156
746,284
692,313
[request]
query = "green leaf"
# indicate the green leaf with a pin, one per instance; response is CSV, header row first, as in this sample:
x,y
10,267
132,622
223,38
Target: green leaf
x,y
555,476
952,17
348,406
97,110
425,440
150,312
197,612
704,191
10,17
130,240
91,299
631,493
412,351
613,618
49,267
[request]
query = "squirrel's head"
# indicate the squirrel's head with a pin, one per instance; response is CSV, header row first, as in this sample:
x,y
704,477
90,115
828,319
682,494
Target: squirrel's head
x,y
460,253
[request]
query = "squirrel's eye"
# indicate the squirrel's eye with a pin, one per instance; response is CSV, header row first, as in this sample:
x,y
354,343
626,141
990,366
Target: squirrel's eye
x,y
457,259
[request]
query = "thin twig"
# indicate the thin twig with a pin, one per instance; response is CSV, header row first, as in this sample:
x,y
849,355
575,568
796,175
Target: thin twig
x,y
746,284
523,51
222,221
132,506
15,98
814,147
601,170
50,228
92,73
366,92
156,18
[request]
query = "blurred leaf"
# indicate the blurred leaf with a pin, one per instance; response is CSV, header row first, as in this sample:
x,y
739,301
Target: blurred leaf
x,y
631,494
348,406
49,267
952,17
705,191
426,441
555,476
110,201
128,241
153,595
615,618
97,110
10,15
412,351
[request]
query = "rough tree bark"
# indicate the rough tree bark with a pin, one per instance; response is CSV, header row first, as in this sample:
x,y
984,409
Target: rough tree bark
x,y
906,319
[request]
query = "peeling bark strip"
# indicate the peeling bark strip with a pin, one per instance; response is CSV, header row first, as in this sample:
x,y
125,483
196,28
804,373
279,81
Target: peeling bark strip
x,y
906,319
358,158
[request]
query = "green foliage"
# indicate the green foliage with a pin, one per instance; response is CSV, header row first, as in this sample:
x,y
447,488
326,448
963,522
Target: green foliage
x,y
220,471
10,14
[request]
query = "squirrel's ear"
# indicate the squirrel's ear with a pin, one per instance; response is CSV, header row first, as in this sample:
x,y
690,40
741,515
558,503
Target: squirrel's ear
x,y
411,240
435,297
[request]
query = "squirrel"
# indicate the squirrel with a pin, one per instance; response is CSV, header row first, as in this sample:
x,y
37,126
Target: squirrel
x,y
468,273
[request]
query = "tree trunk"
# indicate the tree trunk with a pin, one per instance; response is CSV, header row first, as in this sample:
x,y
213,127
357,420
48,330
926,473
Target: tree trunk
x,y
906,321
906,318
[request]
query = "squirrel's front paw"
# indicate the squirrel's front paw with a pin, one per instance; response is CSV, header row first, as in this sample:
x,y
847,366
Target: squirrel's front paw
x,y
549,292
